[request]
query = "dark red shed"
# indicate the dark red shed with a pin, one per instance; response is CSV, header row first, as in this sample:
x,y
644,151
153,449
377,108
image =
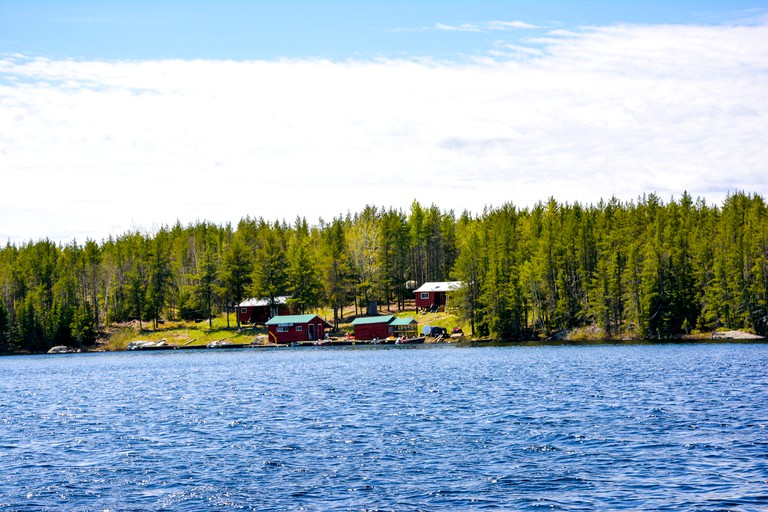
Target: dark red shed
x,y
371,327
289,328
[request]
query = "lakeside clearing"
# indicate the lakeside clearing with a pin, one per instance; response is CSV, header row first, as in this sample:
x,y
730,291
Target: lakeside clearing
x,y
193,334
199,333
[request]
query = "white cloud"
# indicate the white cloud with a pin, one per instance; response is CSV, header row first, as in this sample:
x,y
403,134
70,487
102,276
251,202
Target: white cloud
x,y
503,49
509,25
465,27
96,148
485,26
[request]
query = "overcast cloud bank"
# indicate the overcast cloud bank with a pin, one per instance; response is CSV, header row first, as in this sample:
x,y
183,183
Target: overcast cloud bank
x,y
89,149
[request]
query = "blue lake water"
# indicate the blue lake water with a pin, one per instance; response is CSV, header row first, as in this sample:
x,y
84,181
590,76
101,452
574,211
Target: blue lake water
x,y
605,427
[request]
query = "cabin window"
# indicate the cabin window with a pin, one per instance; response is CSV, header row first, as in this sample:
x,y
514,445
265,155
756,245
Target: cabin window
x,y
424,295
243,310
282,329
299,327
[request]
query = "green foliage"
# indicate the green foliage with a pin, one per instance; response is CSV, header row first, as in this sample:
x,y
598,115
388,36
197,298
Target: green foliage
x,y
159,276
335,267
236,272
5,334
269,277
470,269
632,269
83,327
641,268
301,273
363,243
394,244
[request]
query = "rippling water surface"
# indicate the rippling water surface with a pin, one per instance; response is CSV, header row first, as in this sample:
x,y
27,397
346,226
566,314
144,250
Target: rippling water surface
x,y
653,427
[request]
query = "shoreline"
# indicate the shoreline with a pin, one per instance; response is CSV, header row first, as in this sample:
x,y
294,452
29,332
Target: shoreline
x,y
183,337
717,337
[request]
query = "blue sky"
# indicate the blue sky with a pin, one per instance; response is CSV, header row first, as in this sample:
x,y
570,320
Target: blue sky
x,y
243,30
131,115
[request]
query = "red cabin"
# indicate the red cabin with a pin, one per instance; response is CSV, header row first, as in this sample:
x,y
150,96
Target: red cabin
x,y
291,328
371,327
434,295
258,311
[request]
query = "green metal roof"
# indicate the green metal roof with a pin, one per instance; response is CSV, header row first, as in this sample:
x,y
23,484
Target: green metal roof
x,y
403,321
291,319
373,320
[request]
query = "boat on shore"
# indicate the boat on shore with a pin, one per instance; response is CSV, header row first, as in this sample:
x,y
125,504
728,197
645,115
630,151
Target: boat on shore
x,y
410,341
226,344
150,345
221,344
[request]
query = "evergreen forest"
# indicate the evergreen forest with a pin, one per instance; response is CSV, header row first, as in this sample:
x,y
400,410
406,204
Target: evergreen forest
x,y
643,268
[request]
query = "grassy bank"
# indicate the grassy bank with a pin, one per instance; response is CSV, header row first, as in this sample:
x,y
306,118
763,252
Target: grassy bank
x,y
190,333
180,333
186,333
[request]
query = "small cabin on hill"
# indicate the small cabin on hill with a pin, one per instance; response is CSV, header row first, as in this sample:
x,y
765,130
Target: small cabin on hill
x,y
433,295
258,311
286,329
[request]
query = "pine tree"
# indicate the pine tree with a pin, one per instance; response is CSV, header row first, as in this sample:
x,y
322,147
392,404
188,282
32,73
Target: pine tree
x,y
160,276
394,245
469,269
207,282
269,277
236,274
5,329
335,267
301,272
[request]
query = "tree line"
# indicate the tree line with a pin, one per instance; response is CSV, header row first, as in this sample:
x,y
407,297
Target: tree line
x,y
644,268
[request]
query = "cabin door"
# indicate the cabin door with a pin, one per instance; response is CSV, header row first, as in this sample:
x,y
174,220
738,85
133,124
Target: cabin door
x,y
311,332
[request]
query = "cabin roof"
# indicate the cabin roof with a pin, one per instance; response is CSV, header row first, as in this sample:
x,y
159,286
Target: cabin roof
x,y
441,286
256,302
403,321
384,319
293,319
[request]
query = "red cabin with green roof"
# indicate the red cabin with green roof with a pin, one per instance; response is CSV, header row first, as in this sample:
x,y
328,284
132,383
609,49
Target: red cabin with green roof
x,y
373,327
286,329
382,327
